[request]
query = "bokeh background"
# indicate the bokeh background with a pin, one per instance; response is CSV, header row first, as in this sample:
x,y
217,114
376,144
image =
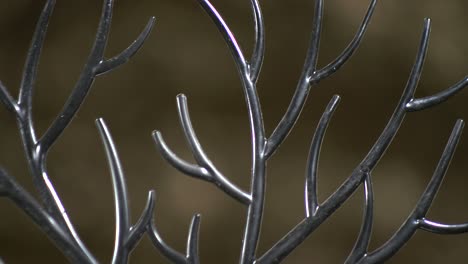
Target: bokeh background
x,y
185,54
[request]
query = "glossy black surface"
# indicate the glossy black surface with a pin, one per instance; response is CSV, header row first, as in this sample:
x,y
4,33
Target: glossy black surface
x,y
50,215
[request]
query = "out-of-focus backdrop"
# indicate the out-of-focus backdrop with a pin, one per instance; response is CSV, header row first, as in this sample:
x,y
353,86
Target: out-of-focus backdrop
x,y
185,54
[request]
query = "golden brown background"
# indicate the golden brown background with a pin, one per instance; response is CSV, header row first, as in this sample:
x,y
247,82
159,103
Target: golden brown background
x,y
185,54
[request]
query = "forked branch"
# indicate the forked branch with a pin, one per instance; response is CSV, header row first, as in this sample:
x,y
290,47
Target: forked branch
x,y
205,169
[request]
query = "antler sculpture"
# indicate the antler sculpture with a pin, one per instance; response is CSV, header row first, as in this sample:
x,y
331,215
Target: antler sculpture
x,y
49,213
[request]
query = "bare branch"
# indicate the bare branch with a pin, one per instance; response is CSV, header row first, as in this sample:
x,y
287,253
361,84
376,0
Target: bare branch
x,y
30,70
312,163
84,82
440,97
335,65
259,48
300,232
26,202
122,214
362,243
127,54
192,241
444,229
228,36
202,159
412,223
9,102
310,75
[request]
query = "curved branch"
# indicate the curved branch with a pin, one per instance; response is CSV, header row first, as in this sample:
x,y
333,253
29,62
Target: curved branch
x,y
127,54
362,243
164,248
300,232
440,97
228,36
122,212
335,65
192,240
312,163
202,159
30,71
412,223
311,76
443,229
259,48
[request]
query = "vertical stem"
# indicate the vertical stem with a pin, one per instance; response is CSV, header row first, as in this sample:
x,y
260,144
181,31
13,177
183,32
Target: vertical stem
x,y
258,185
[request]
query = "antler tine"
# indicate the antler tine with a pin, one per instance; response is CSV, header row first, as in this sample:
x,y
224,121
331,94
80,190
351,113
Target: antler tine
x,y
314,153
310,75
122,211
362,243
335,65
259,48
439,228
192,240
95,65
202,159
129,52
228,36
30,73
440,97
412,223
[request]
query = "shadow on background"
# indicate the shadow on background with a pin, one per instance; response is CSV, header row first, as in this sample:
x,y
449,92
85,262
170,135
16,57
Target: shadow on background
x,y
185,54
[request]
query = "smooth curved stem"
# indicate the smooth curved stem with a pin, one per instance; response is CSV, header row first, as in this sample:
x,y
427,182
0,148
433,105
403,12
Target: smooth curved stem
x,y
362,243
122,212
128,53
443,229
259,47
227,34
165,249
314,153
303,87
192,241
29,77
440,97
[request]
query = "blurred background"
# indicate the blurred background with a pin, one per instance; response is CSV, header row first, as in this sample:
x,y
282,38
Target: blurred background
x,y
186,54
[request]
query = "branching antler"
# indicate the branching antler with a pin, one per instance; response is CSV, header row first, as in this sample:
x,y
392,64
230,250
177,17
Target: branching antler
x,y
263,148
50,213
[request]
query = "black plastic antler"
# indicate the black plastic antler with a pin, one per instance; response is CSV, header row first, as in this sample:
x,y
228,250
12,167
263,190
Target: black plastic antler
x,y
50,214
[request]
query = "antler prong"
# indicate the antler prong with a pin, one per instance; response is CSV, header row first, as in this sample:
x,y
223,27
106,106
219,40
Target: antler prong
x,y
127,54
314,153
